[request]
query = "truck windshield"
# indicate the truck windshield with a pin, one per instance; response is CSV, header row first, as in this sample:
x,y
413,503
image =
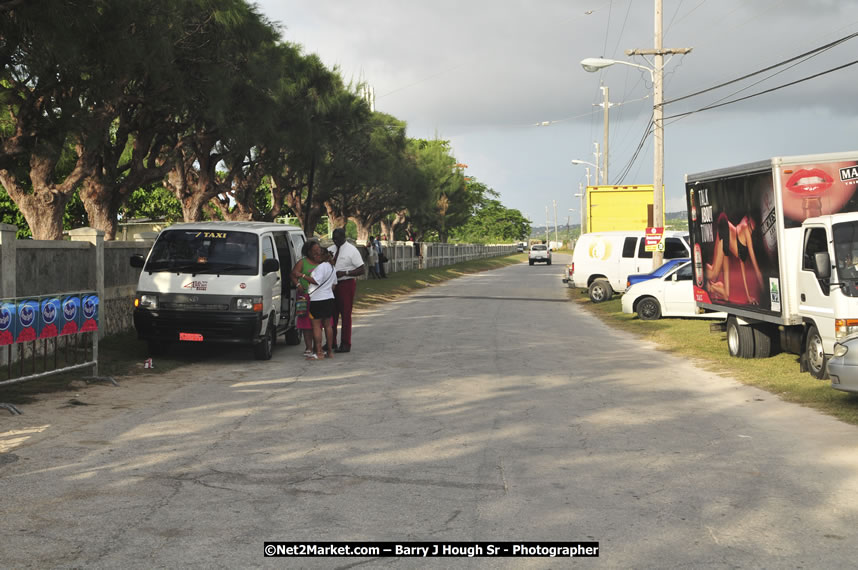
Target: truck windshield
x,y
205,251
846,256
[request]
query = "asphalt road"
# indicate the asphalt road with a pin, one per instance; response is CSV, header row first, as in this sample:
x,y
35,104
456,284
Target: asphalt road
x,y
489,408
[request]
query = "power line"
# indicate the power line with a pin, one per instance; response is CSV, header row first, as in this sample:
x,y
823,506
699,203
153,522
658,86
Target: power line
x,y
678,8
627,168
608,25
815,51
622,29
588,114
791,83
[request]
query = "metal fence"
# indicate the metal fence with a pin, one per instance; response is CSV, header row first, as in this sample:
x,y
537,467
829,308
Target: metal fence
x,y
48,334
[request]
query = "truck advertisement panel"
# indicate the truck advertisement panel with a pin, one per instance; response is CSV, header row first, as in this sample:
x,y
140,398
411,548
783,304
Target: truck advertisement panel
x,y
733,226
620,208
811,190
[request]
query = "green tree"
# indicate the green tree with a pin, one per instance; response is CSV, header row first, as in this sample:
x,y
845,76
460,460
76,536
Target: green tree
x,y
315,110
492,222
43,92
143,97
448,205
377,182
236,46
155,203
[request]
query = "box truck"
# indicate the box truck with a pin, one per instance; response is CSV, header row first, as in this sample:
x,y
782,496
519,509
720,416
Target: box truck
x,y
620,208
775,246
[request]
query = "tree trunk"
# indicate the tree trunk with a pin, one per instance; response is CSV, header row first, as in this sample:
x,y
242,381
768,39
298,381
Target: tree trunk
x,y
336,219
363,229
399,220
238,213
386,228
191,180
277,195
310,181
43,212
111,179
43,208
101,202
312,217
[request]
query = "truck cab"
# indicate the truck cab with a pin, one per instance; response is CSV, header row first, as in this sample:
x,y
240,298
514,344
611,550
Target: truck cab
x,y
828,284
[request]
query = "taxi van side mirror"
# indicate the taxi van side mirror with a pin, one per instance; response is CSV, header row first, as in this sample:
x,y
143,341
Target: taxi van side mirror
x,y
270,266
137,261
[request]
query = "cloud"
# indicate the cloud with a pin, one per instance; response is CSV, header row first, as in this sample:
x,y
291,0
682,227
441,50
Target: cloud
x,y
481,71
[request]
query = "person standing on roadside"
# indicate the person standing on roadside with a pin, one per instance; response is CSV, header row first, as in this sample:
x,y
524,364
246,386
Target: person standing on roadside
x,y
321,280
349,265
381,259
303,322
372,259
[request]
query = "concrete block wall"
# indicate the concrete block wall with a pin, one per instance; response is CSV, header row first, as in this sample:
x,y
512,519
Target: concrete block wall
x,y
47,267
87,262
120,283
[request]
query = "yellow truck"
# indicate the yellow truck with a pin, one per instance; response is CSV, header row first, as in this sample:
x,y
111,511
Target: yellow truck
x,y
620,208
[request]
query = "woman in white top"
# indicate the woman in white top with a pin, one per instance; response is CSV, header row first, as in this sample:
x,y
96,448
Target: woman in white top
x,y
322,281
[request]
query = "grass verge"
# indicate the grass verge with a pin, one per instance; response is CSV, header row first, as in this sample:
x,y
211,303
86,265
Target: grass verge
x,y
371,292
123,355
691,338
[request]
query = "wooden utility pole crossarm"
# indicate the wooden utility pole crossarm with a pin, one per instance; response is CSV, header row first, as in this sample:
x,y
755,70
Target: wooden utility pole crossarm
x,y
678,51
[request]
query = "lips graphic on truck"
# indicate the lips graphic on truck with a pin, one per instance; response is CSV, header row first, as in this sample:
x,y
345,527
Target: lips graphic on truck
x,y
809,182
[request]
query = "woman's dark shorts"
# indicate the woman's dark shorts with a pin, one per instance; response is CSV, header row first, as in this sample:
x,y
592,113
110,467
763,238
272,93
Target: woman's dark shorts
x,y
322,309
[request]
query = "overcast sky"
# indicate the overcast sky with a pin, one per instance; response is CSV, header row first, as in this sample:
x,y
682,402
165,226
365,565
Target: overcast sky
x,y
484,73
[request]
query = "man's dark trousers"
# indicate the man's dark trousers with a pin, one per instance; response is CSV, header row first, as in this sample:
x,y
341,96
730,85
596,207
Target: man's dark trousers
x,y
344,295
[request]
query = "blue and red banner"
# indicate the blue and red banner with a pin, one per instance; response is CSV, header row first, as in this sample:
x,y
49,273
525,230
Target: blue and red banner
x,y
49,316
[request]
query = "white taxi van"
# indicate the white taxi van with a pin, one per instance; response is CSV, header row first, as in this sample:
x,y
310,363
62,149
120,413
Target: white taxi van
x,y
218,282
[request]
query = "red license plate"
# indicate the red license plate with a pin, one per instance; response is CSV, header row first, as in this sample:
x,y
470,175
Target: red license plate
x,y
195,337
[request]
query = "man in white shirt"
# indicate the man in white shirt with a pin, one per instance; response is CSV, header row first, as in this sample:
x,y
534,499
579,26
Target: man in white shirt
x,y
349,265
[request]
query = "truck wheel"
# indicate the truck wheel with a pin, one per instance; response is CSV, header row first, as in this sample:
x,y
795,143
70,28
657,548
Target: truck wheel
x,y
764,341
265,348
292,336
815,355
649,309
600,291
740,339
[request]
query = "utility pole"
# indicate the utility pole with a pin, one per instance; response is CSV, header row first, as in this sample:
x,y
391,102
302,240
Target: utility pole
x,y
598,160
546,225
555,220
605,148
658,122
588,177
581,196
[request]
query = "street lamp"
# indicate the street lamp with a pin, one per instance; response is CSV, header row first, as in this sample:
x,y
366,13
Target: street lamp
x,y
579,162
593,64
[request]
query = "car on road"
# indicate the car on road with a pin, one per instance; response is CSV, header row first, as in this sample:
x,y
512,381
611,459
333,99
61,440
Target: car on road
x,y
539,253
519,248
843,365
668,266
602,261
669,296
